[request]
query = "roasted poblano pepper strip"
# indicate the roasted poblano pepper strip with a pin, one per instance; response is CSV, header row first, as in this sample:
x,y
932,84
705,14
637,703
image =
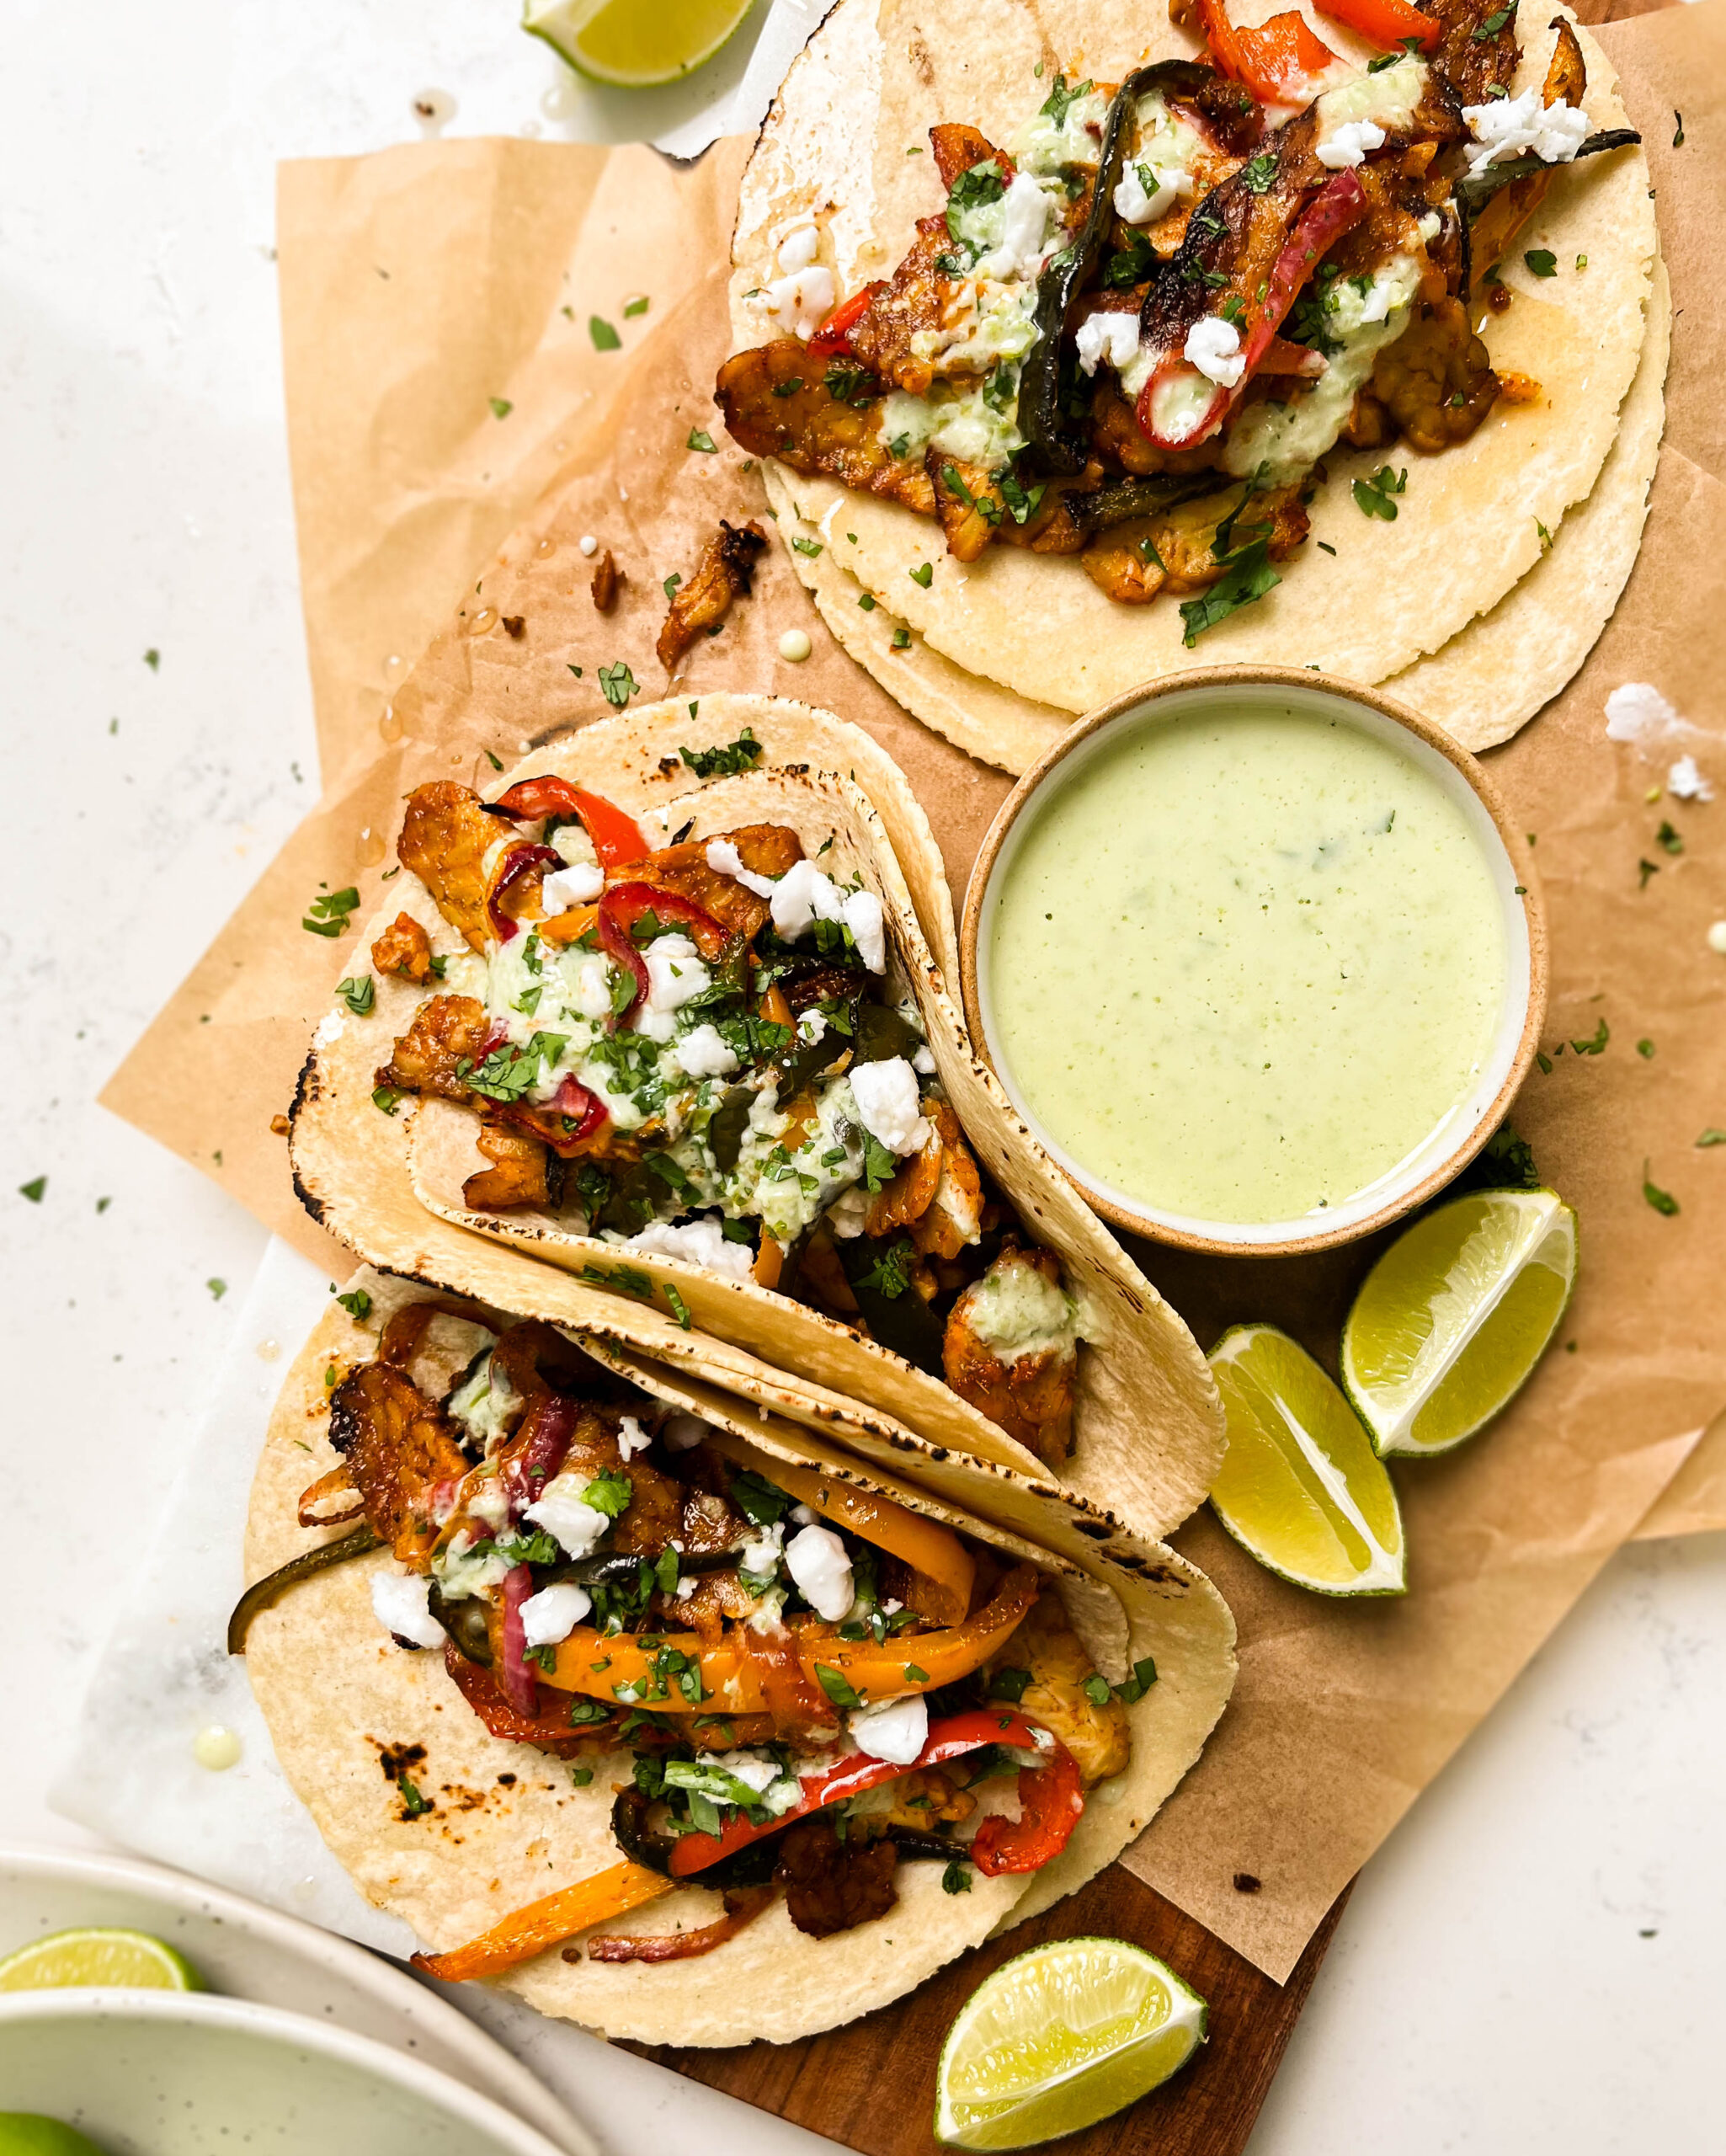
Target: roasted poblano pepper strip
x,y
1050,448
263,1594
1123,500
1471,192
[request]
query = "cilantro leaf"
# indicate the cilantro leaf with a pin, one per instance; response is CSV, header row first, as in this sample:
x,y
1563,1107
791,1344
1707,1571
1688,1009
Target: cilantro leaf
x,y
1248,577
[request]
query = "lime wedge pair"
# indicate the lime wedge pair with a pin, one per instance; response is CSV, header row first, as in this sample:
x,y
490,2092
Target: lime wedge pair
x,y
1059,2038
1446,1330
634,44
99,1957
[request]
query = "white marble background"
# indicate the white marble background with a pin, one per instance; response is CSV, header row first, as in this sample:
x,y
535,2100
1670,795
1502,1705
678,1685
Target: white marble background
x,y
1534,1961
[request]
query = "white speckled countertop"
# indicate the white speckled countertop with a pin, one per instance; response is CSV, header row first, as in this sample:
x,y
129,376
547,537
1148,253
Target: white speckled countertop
x,y
1529,1962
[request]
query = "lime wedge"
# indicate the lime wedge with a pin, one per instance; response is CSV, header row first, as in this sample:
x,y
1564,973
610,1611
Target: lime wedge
x,y
1300,1487
1454,1316
1059,2038
103,1959
631,45
28,2134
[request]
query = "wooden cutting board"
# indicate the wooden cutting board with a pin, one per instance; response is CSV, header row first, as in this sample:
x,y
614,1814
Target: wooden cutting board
x,y
872,2084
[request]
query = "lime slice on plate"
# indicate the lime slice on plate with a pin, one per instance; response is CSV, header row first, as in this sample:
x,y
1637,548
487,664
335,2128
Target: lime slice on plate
x,y
1059,2038
28,2134
1300,1487
100,1958
1451,1319
630,43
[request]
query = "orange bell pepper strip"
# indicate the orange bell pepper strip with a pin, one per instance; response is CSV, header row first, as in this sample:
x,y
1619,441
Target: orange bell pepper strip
x,y
525,1933
658,1669
930,1549
1386,22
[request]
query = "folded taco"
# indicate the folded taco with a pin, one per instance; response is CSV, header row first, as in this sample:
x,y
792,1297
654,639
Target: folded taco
x,y
1071,336
694,1049
683,1725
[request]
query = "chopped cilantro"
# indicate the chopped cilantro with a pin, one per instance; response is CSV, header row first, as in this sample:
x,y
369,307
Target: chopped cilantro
x,y
760,1501
357,1304
679,1309
509,1071
891,1274
501,407
836,1686
153,660
33,1189
1055,105
701,439
581,1776
632,307
1710,1136
1663,1201
217,1288
1597,1042
1247,576
358,993
972,190
847,382
609,1493
923,573
1096,1690
618,683
605,338
1542,261
914,1675
1144,1675
789,387
809,546
1494,23
1373,497
1669,840
957,1878
412,1803
742,754
327,914
1008,1684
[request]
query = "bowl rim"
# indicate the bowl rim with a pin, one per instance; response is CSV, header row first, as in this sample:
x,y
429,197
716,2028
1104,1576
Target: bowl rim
x,y
1031,782
418,2006
464,2105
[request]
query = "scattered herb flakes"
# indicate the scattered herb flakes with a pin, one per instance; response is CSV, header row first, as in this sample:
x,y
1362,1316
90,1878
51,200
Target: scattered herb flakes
x,y
581,1776
1546,536
412,1803
701,439
605,338
357,1304
35,1189
617,683
1644,869
501,407
103,1204
1545,1062
386,1098
1493,25
635,307
866,601
742,754
1374,497
837,1686
1582,262
1596,1044
1008,1684
153,660
327,914
1095,1688
914,1675
1259,174
217,1286
923,573
672,582
957,1878
1247,576
1645,1049
1678,130
1325,546
1133,1689
358,993
575,671
1669,840
901,638
1663,1201
679,1307
812,547
1542,261
495,761
1710,1136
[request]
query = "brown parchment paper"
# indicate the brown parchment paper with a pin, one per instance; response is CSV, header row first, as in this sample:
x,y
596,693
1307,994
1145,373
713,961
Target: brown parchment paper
x,y
1343,1713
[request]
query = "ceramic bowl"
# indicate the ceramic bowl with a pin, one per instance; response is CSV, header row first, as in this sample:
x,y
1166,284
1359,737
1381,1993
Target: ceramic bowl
x,y
1504,845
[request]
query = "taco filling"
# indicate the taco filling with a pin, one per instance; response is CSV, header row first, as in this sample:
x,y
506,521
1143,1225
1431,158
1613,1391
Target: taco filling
x,y
796,1685
1136,328
704,1052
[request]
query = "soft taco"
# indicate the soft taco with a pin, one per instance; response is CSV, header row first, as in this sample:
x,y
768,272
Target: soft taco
x,y
1097,363
681,1724
694,1047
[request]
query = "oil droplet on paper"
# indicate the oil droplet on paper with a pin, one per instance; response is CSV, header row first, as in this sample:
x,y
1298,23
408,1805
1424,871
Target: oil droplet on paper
x,y
546,546
371,848
558,100
486,618
268,1351
389,726
433,109
217,1747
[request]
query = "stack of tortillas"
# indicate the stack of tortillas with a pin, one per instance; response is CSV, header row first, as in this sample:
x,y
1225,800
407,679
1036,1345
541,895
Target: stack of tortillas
x,y
1476,605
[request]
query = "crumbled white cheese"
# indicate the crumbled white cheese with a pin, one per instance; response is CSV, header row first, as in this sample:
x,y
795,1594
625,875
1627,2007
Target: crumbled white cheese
x,y
861,911
805,296
549,1617
811,1027
686,1588
817,1560
1636,711
590,545
806,1515
801,897
579,885
849,1213
1112,336
701,1242
1349,144
751,1768
1507,127
703,1053
762,1555
897,1730
1685,780
1146,192
887,1104
590,991
573,1524
798,250
399,1601
683,1433
1214,347
675,972
924,1060
631,1437
1717,937
1024,223
724,860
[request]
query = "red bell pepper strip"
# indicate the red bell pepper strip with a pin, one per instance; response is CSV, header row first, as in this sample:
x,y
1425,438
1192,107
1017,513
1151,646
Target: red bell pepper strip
x,y
519,862
625,904
1052,1801
1282,58
1338,207
615,836
515,1672
535,1453
1386,22
947,1740
832,335
565,1122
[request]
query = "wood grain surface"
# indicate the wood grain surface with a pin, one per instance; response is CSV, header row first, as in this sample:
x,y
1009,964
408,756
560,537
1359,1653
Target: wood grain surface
x,y
872,2084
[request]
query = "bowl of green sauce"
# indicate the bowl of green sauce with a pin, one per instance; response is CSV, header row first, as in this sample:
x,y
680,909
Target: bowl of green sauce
x,y
1258,957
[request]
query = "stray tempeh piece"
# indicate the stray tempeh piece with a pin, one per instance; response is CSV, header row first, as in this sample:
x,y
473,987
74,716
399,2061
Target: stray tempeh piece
x,y
607,580
723,574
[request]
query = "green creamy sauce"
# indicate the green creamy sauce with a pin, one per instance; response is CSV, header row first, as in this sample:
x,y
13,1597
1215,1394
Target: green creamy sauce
x,y
1242,966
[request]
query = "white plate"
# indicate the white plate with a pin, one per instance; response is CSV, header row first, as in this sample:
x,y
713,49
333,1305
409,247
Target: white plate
x,y
249,1952
184,2073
